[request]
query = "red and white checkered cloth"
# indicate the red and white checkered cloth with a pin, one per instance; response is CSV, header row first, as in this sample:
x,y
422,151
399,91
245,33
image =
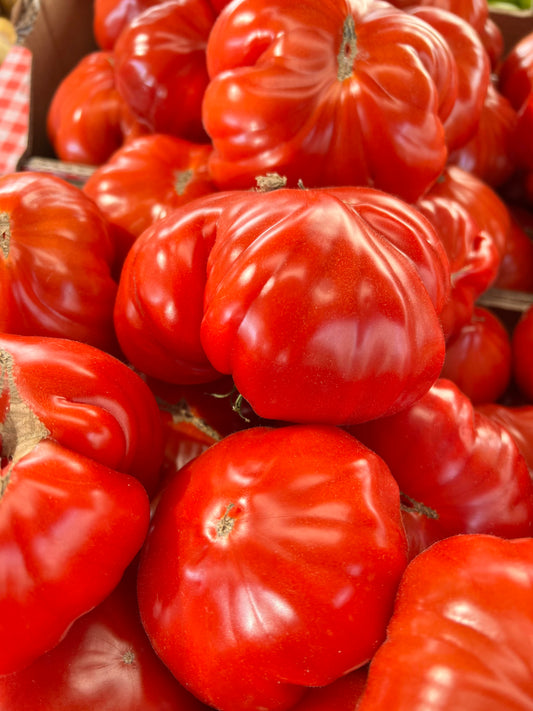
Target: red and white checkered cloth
x,y
14,107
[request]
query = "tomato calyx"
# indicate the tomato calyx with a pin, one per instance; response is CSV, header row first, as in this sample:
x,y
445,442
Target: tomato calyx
x,y
182,178
5,234
347,51
237,403
21,430
410,505
270,181
226,523
182,414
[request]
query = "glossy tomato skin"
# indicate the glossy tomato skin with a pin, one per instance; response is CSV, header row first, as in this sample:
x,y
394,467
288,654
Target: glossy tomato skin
x,y
160,66
478,357
87,119
518,421
312,276
522,345
321,116
516,267
462,630
472,478
110,17
56,261
146,179
104,662
286,547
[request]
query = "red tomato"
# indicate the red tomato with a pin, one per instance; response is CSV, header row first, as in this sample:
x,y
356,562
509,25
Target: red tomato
x,y
146,179
459,471
110,17
271,565
72,516
475,12
478,357
489,153
329,93
160,66
473,256
522,348
56,260
461,636
87,118
516,267
341,695
322,304
104,662
518,421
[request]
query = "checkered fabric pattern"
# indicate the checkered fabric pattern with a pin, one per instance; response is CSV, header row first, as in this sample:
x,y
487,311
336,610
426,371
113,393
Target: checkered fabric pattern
x,y
14,107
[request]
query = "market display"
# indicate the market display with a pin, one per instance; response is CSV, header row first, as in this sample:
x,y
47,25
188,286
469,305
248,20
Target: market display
x,y
266,371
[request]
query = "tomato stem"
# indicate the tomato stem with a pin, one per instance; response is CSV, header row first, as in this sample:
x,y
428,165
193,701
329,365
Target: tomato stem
x,y
347,51
181,179
5,234
226,523
415,506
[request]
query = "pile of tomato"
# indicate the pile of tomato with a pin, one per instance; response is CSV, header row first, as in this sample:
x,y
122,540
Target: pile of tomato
x,y
266,388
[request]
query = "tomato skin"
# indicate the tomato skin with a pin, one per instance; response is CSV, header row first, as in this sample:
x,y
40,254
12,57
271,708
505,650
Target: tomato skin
x,y
312,504
478,358
320,116
462,630
314,321
516,266
160,64
55,265
472,478
522,347
105,662
146,179
110,17
87,119
518,421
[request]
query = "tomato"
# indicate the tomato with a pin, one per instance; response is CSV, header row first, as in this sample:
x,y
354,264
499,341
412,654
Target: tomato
x,y
104,662
478,357
462,630
473,256
516,267
110,17
160,66
341,695
329,93
322,304
522,347
518,421
75,432
144,180
271,565
56,261
489,153
87,119
470,478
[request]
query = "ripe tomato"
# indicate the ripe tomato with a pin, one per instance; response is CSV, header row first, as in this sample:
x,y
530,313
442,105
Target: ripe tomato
x,y
516,267
518,421
478,357
72,423
110,17
322,304
461,636
56,261
329,93
522,348
271,565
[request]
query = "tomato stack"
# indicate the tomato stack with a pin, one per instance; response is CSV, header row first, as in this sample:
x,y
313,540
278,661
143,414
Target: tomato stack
x,y
267,431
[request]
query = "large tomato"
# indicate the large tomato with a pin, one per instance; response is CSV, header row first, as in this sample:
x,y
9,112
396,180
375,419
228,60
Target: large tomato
x,y
77,427
329,92
271,565
110,17
322,304
459,471
104,662
87,119
146,179
56,261
461,636
522,348
516,266
160,66
518,421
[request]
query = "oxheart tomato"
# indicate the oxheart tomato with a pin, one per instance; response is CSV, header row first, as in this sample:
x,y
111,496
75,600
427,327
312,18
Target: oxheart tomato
x,y
329,92
271,565
461,636
105,662
110,17
458,470
322,304
518,421
478,357
160,66
516,266
72,517
87,119
522,348
56,259
146,179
